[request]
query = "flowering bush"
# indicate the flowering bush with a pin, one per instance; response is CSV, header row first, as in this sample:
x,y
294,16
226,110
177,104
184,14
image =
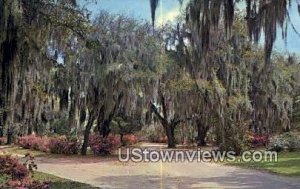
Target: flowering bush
x,y
26,183
287,141
257,140
43,144
103,146
63,145
12,168
19,173
130,139
163,139
56,145
30,142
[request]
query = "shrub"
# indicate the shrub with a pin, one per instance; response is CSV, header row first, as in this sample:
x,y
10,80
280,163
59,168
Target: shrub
x,y
30,142
130,139
287,141
26,183
56,145
63,145
257,140
103,146
61,127
43,144
153,136
34,142
13,168
19,173
163,139
236,139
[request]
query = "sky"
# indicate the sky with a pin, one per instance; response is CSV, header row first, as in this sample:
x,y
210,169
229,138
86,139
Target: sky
x,y
168,11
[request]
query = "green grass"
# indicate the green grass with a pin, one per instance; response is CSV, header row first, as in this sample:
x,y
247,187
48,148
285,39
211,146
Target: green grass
x,y
56,182
288,164
3,179
21,151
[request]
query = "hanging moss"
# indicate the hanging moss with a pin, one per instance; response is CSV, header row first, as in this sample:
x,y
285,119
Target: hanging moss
x,y
261,15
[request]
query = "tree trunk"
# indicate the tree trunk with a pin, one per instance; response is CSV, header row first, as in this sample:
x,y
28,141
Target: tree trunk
x,y
171,139
202,132
1,121
10,134
1,131
104,129
87,135
168,126
121,139
169,129
72,116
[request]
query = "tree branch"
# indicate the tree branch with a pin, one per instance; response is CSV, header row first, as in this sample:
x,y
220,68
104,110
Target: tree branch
x,y
164,106
154,109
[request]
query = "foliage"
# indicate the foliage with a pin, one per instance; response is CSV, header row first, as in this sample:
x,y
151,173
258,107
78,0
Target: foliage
x,y
60,127
156,136
258,140
13,168
206,68
186,134
288,141
103,146
56,145
152,136
33,142
43,181
126,127
130,139
26,184
64,145
204,16
19,173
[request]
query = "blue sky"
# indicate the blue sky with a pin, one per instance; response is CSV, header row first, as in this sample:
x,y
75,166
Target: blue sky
x,y
168,10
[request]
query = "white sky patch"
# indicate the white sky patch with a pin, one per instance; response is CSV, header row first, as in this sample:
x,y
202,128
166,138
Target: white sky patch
x,y
164,16
169,16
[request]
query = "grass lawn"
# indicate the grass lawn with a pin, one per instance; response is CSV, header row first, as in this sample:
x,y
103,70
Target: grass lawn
x,y
56,182
288,164
21,151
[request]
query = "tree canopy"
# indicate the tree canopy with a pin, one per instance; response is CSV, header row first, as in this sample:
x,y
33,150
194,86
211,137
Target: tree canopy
x,y
63,73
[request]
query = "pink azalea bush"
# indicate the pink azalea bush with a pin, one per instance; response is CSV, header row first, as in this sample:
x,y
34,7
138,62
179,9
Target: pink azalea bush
x,y
18,175
12,168
29,142
56,145
130,139
63,145
257,140
43,144
103,146
26,183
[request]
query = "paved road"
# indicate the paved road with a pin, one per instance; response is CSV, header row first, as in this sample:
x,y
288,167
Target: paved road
x,y
110,173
